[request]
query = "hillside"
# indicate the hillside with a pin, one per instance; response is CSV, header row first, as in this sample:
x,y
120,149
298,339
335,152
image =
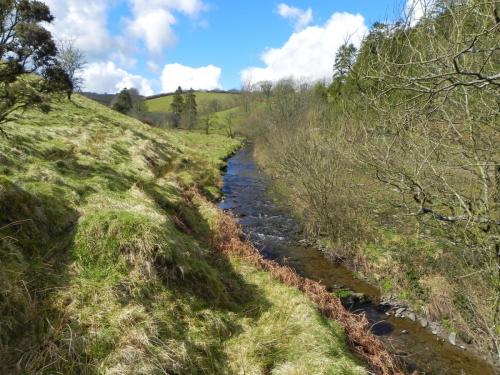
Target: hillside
x,y
107,268
226,100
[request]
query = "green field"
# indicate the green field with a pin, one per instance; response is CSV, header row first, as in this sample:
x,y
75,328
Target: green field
x,y
106,269
162,104
219,122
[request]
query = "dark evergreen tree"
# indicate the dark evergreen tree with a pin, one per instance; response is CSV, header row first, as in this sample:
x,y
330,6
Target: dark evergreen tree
x,y
344,60
123,102
190,113
177,106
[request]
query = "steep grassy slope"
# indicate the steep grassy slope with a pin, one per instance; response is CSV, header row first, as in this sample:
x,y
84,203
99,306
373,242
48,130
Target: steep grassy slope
x,y
162,104
105,269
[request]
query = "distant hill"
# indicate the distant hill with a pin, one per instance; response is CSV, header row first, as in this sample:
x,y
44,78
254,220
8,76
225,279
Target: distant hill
x,y
227,100
107,99
104,99
233,91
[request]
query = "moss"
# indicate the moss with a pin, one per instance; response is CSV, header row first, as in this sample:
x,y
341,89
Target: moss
x,y
344,293
387,285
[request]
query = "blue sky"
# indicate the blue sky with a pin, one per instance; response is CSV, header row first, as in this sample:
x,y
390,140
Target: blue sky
x,y
155,45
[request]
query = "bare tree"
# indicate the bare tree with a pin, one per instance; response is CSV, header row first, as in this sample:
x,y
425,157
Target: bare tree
x,y
433,134
72,60
266,87
229,123
245,96
210,110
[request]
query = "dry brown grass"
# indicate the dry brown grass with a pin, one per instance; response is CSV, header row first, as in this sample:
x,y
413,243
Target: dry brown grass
x,y
229,239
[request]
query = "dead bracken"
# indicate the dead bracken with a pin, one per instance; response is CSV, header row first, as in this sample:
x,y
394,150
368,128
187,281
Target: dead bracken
x,y
228,238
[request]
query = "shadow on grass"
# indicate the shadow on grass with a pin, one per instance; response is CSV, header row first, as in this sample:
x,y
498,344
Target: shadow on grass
x,y
240,294
235,295
35,260
36,231
109,177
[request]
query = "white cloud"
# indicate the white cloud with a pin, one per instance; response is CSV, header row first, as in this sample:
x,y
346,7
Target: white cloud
x,y
153,67
104,77
155,28
189,7
415,10
202,78
84,22
153,20
300,17
310,53
112,56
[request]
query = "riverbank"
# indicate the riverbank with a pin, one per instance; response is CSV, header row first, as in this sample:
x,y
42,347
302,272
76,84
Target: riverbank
x,y
278,235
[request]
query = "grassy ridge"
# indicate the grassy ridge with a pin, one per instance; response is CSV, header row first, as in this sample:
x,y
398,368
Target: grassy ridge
x,y
163,103
106,269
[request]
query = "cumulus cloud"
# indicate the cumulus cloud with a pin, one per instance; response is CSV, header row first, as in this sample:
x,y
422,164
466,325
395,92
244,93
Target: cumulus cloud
x,y
104,77
153,20
84,22
202,78
155,28
310,53
300,17
112,56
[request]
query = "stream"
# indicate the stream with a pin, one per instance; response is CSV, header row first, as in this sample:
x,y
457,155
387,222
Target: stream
x,y
276,234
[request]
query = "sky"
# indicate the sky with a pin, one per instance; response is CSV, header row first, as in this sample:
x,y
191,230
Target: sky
x,y
157,45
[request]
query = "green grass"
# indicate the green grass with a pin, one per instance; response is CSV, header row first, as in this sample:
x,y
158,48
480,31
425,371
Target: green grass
x,y
287,340
162,104
99,276
227,122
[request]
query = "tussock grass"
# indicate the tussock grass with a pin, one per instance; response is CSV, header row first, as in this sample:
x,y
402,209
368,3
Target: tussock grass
x,y
105,269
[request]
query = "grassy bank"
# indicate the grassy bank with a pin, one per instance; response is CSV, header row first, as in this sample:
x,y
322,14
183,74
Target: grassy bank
x,y
106,269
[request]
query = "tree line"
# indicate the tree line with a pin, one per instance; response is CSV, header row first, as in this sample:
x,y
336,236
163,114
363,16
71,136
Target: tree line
x,y
181,113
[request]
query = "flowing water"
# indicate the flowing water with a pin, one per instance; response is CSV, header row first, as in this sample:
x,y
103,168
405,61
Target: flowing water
x,y
276,234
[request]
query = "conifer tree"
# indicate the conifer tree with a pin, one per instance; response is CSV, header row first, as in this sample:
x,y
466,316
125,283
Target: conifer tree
x,y
177,106
190,110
